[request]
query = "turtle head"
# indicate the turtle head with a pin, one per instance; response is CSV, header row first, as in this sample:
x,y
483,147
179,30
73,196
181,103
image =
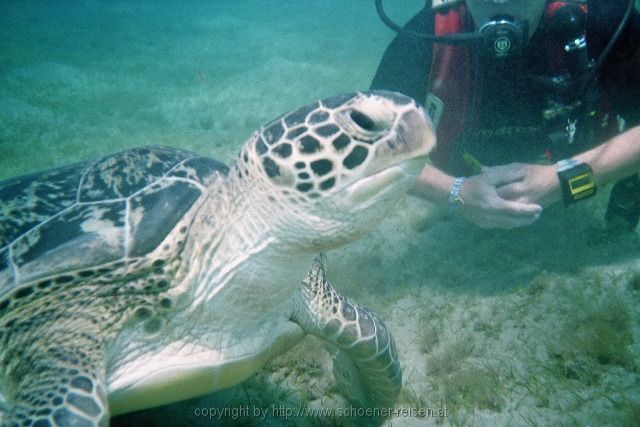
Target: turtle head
x,y
338,165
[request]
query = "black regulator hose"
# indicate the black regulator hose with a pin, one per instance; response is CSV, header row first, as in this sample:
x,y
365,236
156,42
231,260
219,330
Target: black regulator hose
x,y
465,38
596,66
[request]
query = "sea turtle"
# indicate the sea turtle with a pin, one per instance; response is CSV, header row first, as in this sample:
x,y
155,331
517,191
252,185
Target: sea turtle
x,y
156,274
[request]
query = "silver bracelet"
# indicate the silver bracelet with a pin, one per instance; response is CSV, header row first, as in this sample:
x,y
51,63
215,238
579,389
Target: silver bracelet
x,y
454,194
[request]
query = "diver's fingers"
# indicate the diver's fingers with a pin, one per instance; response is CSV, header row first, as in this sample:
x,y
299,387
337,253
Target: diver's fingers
x,y
518,214
510,215
512,191
505,174
520,209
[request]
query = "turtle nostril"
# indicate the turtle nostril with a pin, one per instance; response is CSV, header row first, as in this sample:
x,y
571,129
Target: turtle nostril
x,y
364,121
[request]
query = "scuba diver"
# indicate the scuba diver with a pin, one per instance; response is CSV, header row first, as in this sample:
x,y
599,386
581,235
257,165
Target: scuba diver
x,y
554,84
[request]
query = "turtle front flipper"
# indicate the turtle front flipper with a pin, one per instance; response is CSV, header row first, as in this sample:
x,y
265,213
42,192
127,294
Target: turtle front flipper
x,y
367,366
53,374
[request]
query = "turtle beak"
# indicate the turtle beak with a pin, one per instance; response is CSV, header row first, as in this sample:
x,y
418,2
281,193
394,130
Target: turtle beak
x,y
409,146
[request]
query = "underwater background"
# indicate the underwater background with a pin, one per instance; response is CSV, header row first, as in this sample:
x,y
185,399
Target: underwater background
x,y
533,326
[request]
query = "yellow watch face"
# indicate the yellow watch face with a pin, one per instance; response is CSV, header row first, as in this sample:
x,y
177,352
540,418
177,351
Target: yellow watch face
x,y
581,186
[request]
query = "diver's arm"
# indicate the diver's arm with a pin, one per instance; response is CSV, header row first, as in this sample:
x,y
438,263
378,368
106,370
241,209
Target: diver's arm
x,y
615,159
433,185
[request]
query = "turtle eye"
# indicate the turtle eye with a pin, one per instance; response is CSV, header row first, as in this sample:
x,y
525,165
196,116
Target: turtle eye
x,y
365,122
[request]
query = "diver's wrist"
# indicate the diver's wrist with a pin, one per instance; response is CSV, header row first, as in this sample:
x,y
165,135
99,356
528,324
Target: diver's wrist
x,y
553,192
434,185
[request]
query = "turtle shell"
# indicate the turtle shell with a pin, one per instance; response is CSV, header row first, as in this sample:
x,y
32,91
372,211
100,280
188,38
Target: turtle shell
x,y
92,213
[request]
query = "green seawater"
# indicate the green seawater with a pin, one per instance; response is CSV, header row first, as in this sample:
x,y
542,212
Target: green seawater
x,y
535,326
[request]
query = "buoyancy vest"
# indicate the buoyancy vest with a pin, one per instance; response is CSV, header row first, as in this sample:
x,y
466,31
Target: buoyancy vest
x,y
463,93
450,81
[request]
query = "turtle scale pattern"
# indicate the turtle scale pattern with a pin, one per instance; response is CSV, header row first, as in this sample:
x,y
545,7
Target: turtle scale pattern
x,y
366,347
71,377
43,216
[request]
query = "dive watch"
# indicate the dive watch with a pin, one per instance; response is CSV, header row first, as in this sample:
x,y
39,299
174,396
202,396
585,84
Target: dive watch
x,y
576,180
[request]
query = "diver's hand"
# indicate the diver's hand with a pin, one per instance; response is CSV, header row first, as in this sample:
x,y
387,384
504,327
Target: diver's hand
x,y
539,184
483,205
